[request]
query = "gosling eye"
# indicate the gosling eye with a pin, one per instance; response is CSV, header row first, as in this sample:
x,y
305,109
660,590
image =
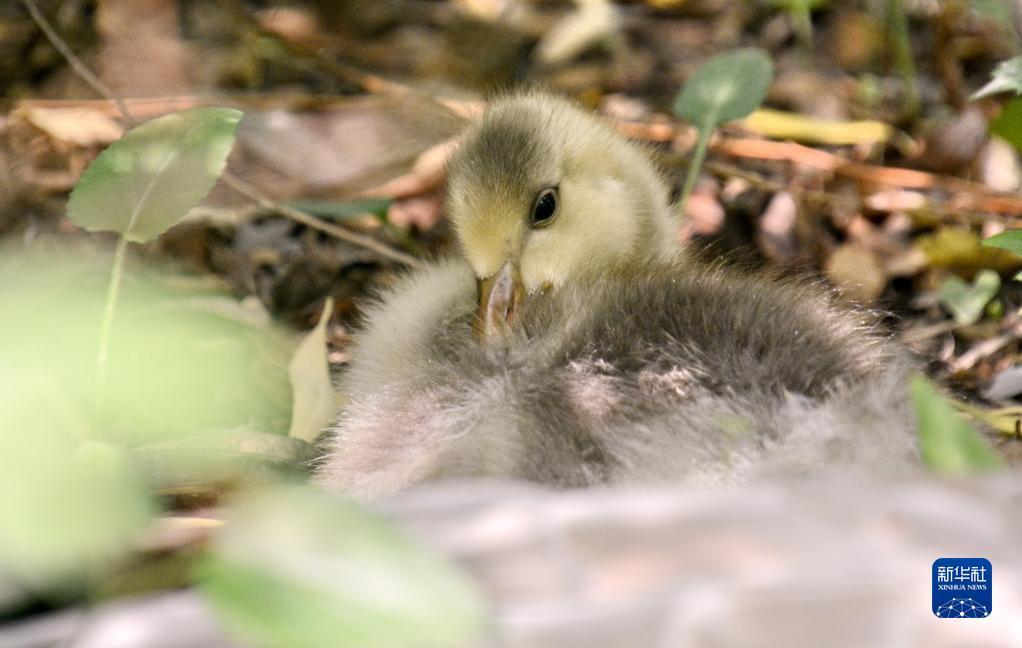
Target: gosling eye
x,y
545,207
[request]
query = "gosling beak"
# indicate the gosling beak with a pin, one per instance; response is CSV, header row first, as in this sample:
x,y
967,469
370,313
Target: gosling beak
x,y
500,296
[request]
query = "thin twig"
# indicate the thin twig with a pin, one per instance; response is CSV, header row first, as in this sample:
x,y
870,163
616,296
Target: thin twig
x,y
235,183
309,220
79,66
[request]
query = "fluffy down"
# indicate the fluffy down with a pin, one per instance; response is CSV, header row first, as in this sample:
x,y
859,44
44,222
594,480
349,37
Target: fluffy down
x,y
650,373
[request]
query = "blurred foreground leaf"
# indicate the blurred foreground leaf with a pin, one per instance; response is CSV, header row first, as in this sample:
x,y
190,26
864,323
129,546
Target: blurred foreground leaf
x,y
296,568
147,181
967,301
215,458
66,506
314,397
949,445
182,362
1007,77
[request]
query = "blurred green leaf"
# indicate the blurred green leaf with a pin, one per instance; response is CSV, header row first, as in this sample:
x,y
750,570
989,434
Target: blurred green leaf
x,y
216,457
296,568
314,397
67,506
967,301
1007,77
184,361
147,181
1008,124
725,88
177,365
949,445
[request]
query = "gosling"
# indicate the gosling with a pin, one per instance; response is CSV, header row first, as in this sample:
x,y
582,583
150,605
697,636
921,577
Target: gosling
x,y
575,343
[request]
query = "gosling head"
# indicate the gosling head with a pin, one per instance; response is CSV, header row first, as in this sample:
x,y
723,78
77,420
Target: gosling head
x,y
541,191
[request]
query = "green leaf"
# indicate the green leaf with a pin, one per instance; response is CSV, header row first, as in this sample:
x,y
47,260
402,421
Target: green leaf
x,y
147,181
68,507
1008,124
213,457
949,445
296,568
179,363
1010,240
1007,77
314,397
725,88
967,301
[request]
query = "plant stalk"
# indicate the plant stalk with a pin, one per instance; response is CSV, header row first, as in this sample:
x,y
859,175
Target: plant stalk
x,y
698,155
113,290
899,30
802,19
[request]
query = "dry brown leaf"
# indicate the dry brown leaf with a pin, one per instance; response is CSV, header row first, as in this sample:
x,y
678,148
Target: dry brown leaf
x,y
78,126
591,22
